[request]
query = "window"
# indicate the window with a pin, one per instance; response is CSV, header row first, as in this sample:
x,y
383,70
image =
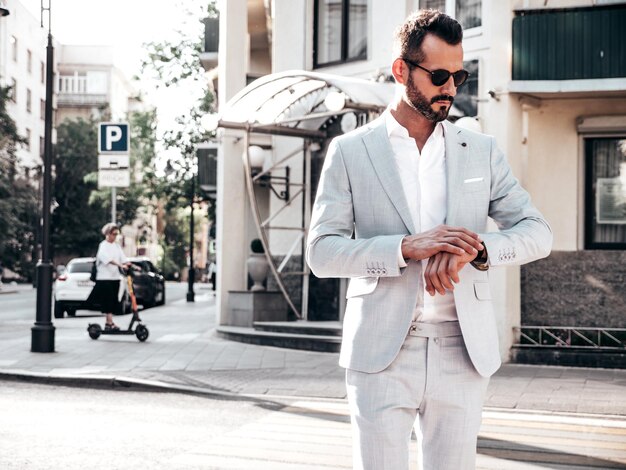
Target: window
x,y
29,101
466,99
28,138
466,12
469,13
42,109
13,90
605,193
29,61
43,73
434,4
42,147
340,31
13,42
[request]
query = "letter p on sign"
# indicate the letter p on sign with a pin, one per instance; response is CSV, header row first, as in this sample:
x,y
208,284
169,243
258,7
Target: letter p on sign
x,y
113,138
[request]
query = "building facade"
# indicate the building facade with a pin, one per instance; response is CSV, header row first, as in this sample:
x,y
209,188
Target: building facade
x,y
545,83
23,67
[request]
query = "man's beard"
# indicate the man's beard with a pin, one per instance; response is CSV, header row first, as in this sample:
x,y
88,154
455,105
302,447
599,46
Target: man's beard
x,y
422,105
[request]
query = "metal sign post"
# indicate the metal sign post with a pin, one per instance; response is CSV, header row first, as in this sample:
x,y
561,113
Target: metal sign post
x,y
113,159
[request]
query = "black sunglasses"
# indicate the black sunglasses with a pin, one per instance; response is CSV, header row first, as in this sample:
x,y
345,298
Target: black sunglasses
x,y
441,76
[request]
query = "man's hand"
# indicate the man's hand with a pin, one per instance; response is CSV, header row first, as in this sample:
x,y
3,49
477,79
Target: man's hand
x,y
442,271
443,238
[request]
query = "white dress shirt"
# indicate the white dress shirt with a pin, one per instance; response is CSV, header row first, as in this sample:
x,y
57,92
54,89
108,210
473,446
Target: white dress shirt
x,y
423,179
108,252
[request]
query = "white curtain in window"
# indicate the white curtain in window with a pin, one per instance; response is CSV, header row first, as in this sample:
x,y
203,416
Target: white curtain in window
x,y
357,29
609,162
433,4
469,13
329,15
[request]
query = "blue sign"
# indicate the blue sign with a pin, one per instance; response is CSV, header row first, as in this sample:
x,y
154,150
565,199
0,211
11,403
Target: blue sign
x,y
113,138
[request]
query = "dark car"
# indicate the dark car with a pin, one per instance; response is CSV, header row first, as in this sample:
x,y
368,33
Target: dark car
x,y
148,283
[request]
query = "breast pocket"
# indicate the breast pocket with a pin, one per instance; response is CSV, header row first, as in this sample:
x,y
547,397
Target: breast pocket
x,y
361,286
474,183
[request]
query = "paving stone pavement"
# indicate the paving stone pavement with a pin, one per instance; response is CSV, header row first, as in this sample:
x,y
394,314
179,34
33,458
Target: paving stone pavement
x,y
183,350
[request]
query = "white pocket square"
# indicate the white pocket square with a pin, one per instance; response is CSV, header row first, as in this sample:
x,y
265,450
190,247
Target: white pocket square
x,y
473,180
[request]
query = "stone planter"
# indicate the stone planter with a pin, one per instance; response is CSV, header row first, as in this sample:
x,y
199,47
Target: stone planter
x,y
257,268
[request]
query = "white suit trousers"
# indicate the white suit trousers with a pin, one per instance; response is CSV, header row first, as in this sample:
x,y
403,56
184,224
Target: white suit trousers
x,y
432,379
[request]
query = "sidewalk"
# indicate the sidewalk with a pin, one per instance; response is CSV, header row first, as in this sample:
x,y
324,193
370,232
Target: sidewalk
x,y
183,353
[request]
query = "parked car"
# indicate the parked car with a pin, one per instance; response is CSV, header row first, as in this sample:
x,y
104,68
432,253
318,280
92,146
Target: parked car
x,y
72,289
148,283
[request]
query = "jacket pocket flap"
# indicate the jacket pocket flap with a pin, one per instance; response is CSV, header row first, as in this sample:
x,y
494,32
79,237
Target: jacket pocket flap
x,y
361,286
482,290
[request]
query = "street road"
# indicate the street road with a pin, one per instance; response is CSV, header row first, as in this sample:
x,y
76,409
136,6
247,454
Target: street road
x,y
18,308
22,299
54,427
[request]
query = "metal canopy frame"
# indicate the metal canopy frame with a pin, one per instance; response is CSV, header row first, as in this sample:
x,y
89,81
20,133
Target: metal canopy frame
x,y
291,104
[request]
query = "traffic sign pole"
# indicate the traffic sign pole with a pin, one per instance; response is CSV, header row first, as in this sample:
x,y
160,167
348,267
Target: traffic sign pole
x,y
113,204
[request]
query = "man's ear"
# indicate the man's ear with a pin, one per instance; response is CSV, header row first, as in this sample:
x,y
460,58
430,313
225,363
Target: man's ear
x,y
400,71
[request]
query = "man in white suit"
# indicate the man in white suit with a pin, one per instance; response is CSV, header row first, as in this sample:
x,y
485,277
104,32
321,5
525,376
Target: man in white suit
x,y
402,210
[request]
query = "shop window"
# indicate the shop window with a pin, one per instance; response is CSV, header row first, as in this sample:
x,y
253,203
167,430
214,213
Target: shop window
x,y
340,31
605,193
466,12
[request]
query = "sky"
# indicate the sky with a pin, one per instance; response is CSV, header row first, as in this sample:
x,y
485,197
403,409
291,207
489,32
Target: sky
x,y
126,25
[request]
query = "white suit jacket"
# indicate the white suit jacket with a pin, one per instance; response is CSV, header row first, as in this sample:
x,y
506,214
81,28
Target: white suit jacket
x,y
360,216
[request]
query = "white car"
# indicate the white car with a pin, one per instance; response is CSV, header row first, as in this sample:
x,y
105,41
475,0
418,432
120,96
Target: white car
x,y
72,289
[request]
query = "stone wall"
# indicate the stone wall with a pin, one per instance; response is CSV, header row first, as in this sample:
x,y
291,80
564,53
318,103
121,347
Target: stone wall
x,y
575,288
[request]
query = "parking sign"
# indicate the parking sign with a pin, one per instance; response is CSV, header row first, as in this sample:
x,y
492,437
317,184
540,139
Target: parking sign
x,y
113,138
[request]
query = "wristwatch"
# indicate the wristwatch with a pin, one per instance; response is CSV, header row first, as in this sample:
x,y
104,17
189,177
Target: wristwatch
x,y
481,262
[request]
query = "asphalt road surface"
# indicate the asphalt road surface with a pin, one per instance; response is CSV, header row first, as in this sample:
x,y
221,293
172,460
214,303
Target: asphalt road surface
x,y
56,427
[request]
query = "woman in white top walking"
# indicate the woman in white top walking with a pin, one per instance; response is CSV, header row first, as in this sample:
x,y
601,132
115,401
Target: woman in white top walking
x,y
110,259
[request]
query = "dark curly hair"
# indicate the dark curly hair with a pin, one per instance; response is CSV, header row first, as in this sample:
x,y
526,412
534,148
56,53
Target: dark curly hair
x,y
410,35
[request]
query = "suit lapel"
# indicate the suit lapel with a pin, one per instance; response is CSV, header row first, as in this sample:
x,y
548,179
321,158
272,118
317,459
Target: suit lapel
x,y
457,157
382,157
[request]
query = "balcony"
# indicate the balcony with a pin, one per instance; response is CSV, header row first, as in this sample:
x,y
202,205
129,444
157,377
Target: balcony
x,y
81,90
578,50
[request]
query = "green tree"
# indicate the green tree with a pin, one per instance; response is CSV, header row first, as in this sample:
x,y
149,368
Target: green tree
x,y
18,199
75,224
177,64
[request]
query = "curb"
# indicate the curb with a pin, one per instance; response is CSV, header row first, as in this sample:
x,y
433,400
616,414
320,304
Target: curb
x,y
134,384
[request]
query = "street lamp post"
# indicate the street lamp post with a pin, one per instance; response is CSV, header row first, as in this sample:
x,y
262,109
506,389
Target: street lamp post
x,y
42,339
191,296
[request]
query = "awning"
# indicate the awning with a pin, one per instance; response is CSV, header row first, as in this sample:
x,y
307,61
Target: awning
x,y
292,103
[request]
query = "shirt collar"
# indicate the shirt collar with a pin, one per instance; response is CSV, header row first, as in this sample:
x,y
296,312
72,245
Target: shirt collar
x,y
397,129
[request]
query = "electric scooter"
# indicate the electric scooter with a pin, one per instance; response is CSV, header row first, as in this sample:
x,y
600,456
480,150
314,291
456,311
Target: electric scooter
x,y
141,331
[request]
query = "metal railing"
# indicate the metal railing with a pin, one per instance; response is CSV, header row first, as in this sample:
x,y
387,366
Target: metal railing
x,y
600,339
